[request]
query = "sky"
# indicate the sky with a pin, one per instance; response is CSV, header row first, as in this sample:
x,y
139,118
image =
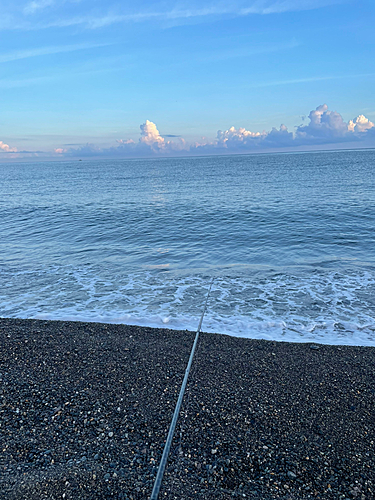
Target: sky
x,y
95,78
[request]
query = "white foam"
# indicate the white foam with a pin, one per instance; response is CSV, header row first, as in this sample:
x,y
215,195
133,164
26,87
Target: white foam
x,y
328,308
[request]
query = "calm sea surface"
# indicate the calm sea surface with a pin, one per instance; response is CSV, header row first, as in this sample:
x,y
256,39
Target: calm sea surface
x,y
289,239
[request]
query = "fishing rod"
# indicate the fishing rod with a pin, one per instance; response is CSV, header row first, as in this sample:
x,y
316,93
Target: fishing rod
x,y
164,458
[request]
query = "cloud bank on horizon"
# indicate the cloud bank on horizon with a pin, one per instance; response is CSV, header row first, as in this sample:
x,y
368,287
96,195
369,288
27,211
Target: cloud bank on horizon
x,y
5,148
325,127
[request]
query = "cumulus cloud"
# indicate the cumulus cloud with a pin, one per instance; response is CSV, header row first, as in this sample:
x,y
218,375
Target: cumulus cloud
x,y
122,141
360,124
151,141
243,139
4,148
329,126
324,127
237,137
279,137
151,136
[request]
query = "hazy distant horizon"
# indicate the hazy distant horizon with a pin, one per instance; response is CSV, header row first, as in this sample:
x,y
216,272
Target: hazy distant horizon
x,y
58,159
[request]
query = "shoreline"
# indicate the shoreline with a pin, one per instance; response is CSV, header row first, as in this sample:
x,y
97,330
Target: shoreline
x,y
85,409
186,325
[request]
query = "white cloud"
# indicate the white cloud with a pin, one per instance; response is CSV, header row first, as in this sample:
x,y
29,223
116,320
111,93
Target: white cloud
x,y
329,126
281,6
36,15
294,81
325,127
26,82
150,143
4,148
37,5
237,138
151,136
43,51
241,134
122,141
191,13
360,124
279,137
243,140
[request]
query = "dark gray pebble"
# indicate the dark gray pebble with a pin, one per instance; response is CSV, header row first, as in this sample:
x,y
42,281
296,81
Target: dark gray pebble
x,y
279,419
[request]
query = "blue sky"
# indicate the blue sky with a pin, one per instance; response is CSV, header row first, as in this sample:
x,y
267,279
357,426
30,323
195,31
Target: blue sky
x,y
79,78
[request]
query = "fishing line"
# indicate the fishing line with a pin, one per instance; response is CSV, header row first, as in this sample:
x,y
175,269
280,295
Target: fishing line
x,y
164,458
182,424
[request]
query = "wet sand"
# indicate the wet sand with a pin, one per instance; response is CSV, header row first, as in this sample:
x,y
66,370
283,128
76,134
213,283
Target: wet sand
x,y
85,409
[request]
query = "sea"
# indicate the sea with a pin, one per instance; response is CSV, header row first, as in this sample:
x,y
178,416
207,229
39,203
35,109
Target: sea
x,y
288,240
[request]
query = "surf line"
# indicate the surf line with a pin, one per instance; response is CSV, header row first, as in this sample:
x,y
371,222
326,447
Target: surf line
x,y
167,447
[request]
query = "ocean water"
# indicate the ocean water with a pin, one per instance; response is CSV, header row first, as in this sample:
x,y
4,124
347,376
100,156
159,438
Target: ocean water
x,y
288,239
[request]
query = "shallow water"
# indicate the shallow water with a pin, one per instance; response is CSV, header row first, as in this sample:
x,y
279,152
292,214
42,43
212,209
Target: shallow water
x,y
289,239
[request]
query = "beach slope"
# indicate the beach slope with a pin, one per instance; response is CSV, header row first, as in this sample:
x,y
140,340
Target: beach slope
x,y
85,409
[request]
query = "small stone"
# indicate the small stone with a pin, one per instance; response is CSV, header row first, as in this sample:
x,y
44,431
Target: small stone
x,y
291,475
110,434
107,476
314,347
214,451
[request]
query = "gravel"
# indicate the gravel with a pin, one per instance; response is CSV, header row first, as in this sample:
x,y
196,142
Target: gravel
x,y
85,409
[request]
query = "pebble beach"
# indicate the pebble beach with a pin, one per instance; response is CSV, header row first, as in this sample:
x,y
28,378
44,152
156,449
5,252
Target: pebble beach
x,y
85,410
